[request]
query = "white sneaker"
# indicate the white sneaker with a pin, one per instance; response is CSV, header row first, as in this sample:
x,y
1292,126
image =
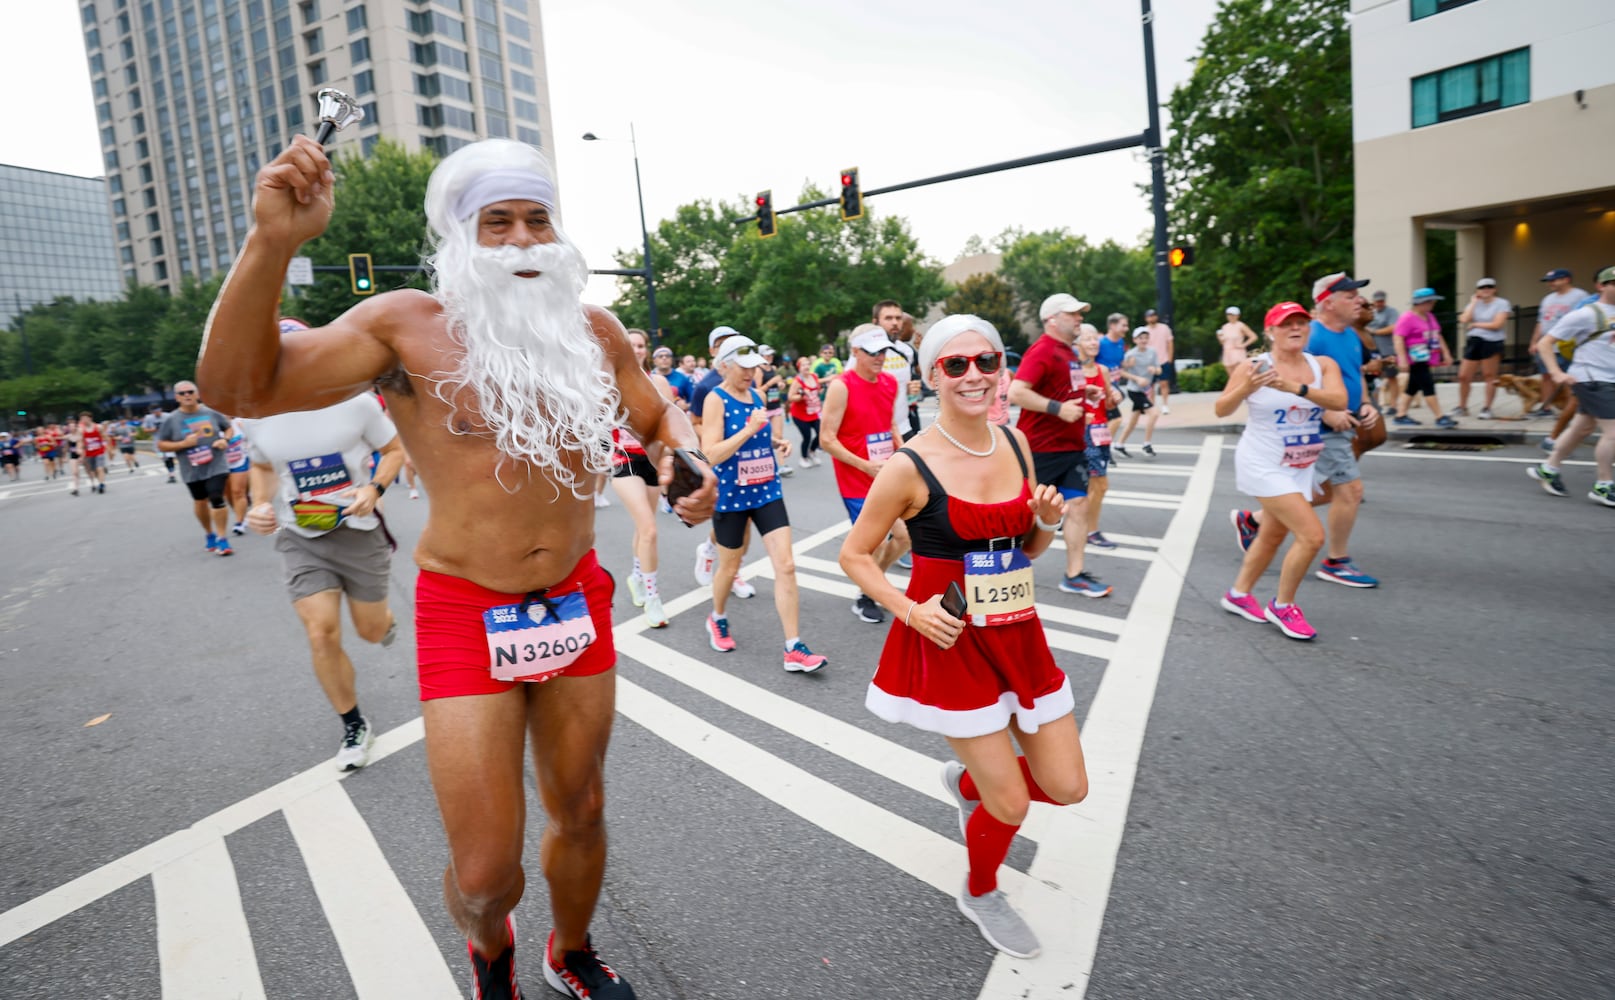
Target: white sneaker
x,y
636,589
1485,414
1166,411
655,617
706,557
601,500
785,470
741,589
664,506
355,750
805,463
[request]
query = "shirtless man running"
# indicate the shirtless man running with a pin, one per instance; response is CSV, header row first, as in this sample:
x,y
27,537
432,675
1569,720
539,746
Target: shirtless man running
x,y
504,388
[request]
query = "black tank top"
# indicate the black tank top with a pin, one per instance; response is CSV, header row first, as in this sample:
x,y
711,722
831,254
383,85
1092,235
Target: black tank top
x,y
932,530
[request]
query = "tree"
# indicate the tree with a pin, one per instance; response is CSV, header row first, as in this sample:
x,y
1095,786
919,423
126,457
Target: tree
x,y
816,277
1115,278
379,201
178,337
1259,160
993,299
55,394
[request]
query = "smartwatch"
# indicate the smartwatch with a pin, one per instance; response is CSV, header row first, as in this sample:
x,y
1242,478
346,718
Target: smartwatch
x,y
380,488
1302,392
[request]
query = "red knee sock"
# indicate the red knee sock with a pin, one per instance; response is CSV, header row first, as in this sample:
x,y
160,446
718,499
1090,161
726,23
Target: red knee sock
x,y
987,840
967,786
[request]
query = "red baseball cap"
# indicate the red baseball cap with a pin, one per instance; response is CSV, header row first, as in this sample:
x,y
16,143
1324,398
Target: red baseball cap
x,y
1283,311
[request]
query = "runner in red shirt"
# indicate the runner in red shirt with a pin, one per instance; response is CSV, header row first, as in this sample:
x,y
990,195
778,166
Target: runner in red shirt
x,y
857,428
1053,396
1097,416
93,449
48,445
806,402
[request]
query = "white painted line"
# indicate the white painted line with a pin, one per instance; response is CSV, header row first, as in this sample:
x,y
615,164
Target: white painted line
x,y
1076,858
91,886
1111,500
1117,553
1134,469
1447,457
204,947
1080,619
915,850
838,588
1084,645
384,942
1143,540
1173,498
875,754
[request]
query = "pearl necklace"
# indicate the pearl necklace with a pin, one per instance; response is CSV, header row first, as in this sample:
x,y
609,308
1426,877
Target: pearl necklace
x,y
968,451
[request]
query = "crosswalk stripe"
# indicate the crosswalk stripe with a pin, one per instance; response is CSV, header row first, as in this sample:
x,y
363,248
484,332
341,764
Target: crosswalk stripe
x,y
385,945
1132,469
1112,500
204,946
875,754
1118,553
1172,498
1143,541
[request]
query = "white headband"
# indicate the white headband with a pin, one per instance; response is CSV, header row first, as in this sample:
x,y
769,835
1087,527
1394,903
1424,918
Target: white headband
x,y
506,184
944,330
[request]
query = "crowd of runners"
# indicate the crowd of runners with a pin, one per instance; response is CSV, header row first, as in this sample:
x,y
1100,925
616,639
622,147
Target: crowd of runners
x,y
514,403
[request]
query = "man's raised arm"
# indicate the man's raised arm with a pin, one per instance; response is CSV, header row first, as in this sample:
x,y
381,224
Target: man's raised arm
x,y
246,366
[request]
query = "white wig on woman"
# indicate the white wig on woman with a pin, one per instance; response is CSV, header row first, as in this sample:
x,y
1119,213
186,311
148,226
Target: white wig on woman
x,y
528,356
944,330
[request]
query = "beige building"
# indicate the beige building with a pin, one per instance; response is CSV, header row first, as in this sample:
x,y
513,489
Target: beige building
x,y
1492,118
193,96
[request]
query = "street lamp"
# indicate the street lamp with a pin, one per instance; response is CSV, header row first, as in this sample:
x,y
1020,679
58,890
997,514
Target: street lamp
x,y
650,274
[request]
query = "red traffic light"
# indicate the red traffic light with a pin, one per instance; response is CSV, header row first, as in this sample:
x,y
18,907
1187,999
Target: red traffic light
x,y
761,200
846,178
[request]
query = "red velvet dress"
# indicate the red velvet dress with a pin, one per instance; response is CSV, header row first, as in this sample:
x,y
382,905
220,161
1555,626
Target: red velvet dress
x,y
993,673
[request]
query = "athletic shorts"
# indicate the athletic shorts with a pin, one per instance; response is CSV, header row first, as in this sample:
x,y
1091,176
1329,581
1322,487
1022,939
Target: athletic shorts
x,y
1169,375
1098,456
855,506
127,449
1420,379
238,469
451,645
210,489
48,454
1139,399
94,463
729,526
1066,471
1113,413
1337,464
638,465
10,460
353,561
1596,399
1479,348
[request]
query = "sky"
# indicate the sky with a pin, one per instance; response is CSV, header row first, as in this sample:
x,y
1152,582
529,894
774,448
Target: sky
x,y
728,99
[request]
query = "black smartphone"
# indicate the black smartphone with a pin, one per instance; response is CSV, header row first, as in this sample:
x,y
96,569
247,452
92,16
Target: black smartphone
x,y
687,474
953,601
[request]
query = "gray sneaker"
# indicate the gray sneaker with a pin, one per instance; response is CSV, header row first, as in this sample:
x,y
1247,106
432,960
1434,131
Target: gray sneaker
x,y
355,750
999,923
952,773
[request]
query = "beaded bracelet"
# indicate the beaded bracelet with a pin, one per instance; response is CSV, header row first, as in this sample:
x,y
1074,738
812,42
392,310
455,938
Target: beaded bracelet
x,y
1048,527
909,612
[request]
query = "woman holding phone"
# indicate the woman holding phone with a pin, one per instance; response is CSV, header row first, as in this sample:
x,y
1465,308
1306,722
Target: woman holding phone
x,y
1285,392
985,681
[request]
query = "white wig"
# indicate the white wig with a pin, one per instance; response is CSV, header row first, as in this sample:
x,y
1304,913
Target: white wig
x,y
944,330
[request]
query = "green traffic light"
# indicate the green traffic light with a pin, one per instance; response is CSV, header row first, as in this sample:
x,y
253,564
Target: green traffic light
x,y
364,282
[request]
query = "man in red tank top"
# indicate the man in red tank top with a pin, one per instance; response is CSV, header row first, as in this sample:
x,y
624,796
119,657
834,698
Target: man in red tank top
x,y
1050,390
93,448
857,427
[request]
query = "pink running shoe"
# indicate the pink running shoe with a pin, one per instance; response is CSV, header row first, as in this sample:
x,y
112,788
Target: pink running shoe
x,y
1247,607
801,660
1290,621
718,634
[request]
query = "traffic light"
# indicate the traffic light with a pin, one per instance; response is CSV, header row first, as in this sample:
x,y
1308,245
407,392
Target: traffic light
x,y
1180,256
852,196
359,274
765,214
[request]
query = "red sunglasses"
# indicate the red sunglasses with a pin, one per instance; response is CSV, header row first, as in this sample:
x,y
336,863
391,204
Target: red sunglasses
x,y
955,365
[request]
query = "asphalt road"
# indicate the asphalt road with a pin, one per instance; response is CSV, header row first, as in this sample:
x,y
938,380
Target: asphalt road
x,y
1415,805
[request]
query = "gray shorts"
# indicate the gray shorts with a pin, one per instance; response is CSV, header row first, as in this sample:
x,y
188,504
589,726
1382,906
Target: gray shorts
x,y
1337,464
95,463
1596,399
347,559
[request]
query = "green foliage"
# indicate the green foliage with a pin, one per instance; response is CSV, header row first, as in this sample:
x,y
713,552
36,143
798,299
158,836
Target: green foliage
x,y
178,337
1259,161
816,277
993,299
1115,278
379,211
1207,378
55,393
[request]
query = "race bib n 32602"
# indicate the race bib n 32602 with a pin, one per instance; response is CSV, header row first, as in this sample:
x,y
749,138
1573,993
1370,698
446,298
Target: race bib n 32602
x,y
540,643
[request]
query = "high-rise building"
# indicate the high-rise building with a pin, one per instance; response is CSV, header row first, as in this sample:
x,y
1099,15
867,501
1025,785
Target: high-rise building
x,y
56,241
1488,119
193,96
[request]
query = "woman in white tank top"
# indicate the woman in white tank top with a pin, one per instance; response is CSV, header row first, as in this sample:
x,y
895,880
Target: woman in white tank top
x,y
1285,391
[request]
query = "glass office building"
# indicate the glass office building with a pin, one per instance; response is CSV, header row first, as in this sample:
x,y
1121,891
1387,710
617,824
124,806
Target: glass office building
x,y
193,96
57,240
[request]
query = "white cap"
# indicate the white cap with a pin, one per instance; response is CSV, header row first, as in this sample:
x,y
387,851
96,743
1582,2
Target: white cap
x,y
1231,311
870,338
1061,303
720,332
739,350
1486,283
766,351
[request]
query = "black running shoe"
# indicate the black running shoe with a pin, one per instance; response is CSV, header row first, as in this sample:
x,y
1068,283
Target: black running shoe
x,y
495,978
581,974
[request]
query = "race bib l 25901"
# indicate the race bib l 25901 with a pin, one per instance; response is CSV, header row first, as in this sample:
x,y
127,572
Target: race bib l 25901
x,y
998,587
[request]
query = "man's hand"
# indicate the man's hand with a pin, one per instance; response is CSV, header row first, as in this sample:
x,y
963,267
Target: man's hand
x,y
190,441
698,505
261,519
1562,378
1367,416
365,499
292,200
1093,393
1339,420
219,444
1071,410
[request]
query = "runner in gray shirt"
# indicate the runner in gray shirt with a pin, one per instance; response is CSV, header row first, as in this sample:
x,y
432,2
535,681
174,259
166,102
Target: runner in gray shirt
x,y
1485,319
198,435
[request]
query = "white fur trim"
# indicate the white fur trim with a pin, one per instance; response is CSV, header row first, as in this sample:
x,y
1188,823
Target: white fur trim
x,y
968,723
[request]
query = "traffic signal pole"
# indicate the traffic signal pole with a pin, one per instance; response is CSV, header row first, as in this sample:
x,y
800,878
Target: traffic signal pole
x,y
1157,154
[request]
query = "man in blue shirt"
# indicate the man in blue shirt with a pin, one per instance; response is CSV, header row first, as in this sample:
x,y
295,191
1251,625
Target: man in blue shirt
x,y
1336,301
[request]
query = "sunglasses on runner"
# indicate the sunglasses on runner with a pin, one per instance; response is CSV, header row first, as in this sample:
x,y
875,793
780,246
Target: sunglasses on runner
x,y
955,365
